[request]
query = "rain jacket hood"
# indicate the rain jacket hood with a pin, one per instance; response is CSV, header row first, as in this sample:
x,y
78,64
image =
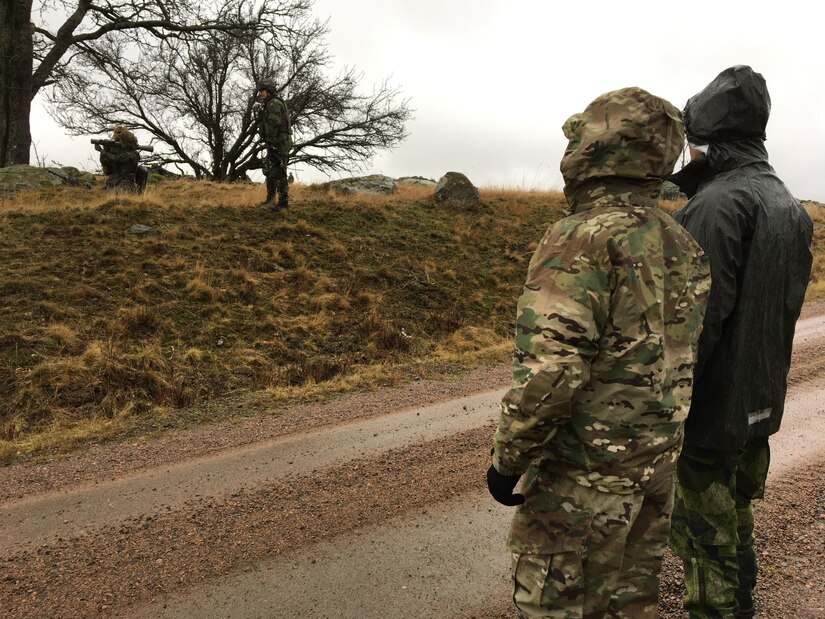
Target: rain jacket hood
x,y
734,106
729,115
620,149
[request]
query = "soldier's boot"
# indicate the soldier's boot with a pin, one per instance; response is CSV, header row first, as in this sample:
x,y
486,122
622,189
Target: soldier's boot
x,y
271,188
746,609
283,200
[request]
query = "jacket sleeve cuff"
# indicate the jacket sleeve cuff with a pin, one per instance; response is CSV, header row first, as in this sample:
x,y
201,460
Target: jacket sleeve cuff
x,y
503,468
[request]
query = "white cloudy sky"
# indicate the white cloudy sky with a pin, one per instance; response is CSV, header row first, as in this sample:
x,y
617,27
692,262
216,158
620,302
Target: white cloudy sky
x,y
492,81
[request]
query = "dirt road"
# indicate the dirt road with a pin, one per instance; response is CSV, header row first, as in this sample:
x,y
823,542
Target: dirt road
x,y
370,507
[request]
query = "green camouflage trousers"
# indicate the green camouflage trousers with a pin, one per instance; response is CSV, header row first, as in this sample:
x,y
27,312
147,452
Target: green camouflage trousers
x,y
274,169
579,553
713,527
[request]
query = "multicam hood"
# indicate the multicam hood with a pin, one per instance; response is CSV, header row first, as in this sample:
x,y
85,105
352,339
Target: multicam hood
x,y
624,137
735,106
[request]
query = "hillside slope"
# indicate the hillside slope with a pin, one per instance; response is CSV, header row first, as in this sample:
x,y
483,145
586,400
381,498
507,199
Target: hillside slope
x,y
223,306
102,328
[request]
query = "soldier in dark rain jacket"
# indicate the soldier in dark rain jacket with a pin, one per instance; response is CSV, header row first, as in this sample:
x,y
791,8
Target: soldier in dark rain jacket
x,y
757,236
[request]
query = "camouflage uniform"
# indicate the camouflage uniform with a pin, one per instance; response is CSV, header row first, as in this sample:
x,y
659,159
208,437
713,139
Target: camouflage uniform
x,y
276,134
606,338
713,527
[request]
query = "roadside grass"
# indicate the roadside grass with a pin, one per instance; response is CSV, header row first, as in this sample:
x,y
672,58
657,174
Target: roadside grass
x,y
104,333
816,289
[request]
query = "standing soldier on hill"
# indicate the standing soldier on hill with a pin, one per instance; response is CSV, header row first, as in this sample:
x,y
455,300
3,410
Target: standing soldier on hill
x,y
276,135
757,237
119,159
607,330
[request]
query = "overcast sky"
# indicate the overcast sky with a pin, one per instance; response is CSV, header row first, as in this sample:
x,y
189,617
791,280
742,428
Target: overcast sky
x,y
492,81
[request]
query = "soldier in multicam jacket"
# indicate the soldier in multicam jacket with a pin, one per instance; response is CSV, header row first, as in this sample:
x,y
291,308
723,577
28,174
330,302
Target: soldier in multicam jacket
x,y
275,131
606,339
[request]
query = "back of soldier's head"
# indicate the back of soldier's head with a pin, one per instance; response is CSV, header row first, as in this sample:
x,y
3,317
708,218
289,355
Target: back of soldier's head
x,y
627,133
124,137
734,106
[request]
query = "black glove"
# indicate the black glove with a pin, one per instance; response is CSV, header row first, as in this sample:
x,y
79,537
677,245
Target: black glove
x,y
501,487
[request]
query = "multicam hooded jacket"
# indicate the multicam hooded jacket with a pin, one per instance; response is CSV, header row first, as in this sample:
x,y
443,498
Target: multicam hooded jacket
x,y
608,322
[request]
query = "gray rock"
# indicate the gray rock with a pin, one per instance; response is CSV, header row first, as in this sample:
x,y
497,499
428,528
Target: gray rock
x,y
455,189
416,180
140,229
29,178
373,184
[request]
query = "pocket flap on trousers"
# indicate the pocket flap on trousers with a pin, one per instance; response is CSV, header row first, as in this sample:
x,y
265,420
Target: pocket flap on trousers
x,y
538,532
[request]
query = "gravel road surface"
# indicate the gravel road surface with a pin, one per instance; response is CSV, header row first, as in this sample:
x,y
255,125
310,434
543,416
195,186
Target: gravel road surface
x,y
372,505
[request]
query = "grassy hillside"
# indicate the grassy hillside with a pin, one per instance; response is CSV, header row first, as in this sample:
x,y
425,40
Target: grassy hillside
x,y
104,332
102,329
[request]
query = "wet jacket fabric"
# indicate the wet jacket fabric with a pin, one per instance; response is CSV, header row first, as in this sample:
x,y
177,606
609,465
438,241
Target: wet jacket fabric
x,y
757,237
608,321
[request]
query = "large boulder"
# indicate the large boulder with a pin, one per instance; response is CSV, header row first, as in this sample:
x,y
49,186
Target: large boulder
x,y
374,184
455,189
23,177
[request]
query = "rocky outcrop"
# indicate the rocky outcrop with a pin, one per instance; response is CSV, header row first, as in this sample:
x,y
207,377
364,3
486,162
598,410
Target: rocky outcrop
x,y
28,178
373,184
416,180
455,189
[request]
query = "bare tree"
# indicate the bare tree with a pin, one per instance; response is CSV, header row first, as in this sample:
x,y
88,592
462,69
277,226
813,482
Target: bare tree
x,y
195,96
34,55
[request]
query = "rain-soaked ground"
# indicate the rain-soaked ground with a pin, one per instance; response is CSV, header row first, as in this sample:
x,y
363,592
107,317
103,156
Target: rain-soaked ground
x,y
361,515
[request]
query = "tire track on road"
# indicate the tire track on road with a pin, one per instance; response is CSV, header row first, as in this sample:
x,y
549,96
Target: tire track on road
x,y
78,511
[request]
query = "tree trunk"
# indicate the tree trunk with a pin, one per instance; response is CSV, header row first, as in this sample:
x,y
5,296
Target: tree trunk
x,y
16,63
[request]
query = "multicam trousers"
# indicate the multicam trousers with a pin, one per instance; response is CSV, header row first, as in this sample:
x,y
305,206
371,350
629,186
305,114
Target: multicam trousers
x,y
713,527
584,554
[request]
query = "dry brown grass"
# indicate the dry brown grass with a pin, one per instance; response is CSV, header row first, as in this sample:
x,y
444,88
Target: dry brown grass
x,y
670,206
815,210
103,332
816,289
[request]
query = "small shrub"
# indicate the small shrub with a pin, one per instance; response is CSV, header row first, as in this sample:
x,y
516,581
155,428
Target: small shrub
x,y
138,321
200,290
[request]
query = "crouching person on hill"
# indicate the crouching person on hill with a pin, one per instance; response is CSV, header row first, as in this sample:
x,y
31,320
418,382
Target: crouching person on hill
x,y
606,338
119,160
